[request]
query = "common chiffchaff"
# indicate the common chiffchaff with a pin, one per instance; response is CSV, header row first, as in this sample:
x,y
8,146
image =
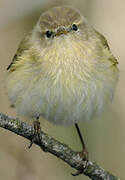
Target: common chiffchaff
x,y
63,70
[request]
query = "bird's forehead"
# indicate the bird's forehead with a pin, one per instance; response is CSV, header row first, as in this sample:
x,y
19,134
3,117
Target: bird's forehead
x,y
59,16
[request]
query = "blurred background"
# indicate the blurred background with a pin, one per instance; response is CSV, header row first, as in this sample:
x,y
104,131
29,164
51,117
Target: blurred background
x,y
104,136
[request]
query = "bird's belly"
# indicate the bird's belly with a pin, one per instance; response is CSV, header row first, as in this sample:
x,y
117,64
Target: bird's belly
x,y
63,102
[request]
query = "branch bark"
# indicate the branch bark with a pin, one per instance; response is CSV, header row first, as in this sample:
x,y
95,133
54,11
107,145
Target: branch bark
x,y
62,151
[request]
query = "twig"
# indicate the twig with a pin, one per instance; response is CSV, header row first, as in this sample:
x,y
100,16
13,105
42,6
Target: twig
x,y
62,151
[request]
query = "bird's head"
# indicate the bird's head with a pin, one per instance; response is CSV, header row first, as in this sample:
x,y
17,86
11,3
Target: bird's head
x,y
61,23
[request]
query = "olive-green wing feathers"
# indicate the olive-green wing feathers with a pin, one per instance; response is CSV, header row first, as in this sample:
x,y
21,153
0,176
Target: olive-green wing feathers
x,y
105,44
24,45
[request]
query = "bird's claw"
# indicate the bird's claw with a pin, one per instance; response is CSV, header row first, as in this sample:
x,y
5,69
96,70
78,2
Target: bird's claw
x,y
80,171
84,156
36,125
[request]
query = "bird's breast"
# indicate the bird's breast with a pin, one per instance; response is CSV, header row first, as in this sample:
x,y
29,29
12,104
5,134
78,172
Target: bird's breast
x,y
67,84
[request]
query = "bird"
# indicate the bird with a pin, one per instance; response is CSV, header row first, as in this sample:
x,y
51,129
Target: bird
x,y
63,71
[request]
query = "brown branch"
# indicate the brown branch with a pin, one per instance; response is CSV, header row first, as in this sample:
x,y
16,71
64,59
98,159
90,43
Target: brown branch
x,y
62,151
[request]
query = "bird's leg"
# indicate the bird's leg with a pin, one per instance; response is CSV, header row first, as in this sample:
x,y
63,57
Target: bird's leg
x,y
84,153
37,128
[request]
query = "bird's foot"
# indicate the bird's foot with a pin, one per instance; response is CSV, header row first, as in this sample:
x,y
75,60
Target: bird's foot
x,y
37,128
84,155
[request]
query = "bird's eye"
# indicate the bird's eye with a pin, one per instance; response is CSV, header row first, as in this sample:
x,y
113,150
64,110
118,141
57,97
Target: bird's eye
x,y
74,27
49,33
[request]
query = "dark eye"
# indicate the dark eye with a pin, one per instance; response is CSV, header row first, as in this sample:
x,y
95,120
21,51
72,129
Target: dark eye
x,y
74,27
49,34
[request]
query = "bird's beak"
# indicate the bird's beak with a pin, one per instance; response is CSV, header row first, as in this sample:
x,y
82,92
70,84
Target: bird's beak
x,y
60,31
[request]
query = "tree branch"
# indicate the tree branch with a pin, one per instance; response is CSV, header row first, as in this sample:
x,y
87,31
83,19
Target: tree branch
x,y
62,151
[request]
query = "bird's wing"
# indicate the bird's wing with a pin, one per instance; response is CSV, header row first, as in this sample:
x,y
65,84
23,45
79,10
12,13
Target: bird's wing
x,y
105,44
24,45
